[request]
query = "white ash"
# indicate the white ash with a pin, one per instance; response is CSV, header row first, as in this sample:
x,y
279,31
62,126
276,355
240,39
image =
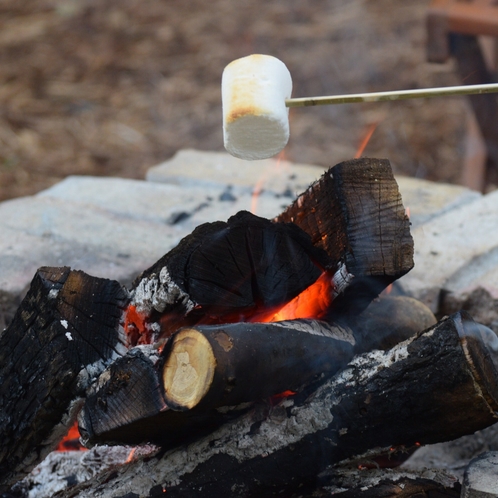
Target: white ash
x,y
66,468
90,373
341,279
64,323
69,336
349,478
53,293
376,360
159,292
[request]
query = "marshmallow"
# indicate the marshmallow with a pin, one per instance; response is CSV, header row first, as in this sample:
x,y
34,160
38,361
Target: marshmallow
x,y
255,117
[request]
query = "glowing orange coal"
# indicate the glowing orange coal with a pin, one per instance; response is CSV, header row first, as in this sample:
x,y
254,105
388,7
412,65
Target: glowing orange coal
x,y
135,327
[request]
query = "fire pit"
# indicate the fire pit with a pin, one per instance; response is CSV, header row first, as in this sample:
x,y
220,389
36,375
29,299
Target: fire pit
x,y
294,426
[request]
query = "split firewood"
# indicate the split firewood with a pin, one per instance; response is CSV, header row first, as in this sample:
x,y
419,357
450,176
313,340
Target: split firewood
x,y
63,335
227,272
208,367
436,386
355,213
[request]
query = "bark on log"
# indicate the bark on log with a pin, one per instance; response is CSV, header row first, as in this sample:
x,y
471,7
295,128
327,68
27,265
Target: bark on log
x,y
206,368
434,387
65,332
388,321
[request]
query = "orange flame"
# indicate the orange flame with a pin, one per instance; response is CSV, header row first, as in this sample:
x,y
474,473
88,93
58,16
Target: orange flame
x,y
364,142
313,302
258,187
71,441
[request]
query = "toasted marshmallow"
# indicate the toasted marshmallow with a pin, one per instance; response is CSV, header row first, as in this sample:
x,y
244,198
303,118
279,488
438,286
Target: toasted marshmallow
x,y
255,118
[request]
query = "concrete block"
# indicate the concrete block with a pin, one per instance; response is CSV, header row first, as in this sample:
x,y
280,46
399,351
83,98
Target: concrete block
x,y
193,167
455,254
43,231
481,477
427,200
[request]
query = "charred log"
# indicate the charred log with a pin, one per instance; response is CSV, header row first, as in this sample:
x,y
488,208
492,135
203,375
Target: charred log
x,y
225,272
437,386
387,321
388,483
175,393
65,332
355,213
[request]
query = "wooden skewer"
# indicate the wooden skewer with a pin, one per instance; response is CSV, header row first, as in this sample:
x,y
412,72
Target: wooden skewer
x,y
421,93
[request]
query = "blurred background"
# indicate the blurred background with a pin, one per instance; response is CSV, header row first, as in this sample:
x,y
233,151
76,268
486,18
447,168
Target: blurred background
x,y
113,87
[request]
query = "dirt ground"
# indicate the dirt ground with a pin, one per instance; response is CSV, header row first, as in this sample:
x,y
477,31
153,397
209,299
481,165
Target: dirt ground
x,y
113,87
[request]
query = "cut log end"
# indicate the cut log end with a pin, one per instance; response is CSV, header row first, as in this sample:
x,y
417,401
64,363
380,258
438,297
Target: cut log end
x,y
188,371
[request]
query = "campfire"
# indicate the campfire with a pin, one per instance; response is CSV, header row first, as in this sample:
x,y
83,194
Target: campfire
x,y
257,355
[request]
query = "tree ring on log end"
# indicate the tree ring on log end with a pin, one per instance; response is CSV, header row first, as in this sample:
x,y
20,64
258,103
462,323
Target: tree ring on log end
x,y
188,370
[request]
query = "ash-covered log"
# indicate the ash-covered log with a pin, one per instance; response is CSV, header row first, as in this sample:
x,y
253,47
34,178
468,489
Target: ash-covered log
x,y
63,335
176,393
436,386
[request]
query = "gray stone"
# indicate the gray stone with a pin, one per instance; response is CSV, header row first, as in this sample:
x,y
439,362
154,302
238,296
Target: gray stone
x,y
481,477
209,169
455,255
455,455
43,231
425,200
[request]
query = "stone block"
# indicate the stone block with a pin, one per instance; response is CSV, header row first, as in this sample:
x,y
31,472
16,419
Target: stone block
x,y
208,169
425,200
481,477
43,231
456,257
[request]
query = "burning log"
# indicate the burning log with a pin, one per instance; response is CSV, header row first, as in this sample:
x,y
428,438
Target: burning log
x,y
355,213
226,272
65,332
176,393
436,386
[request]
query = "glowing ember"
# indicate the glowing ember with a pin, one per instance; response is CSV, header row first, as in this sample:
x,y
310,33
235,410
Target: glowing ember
x,y
71,441
135,327
131,455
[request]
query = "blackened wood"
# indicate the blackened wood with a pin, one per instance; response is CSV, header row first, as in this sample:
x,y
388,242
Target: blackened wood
x,y
388,321
228,271
251,361
64,333
437,386
355,213
389,484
